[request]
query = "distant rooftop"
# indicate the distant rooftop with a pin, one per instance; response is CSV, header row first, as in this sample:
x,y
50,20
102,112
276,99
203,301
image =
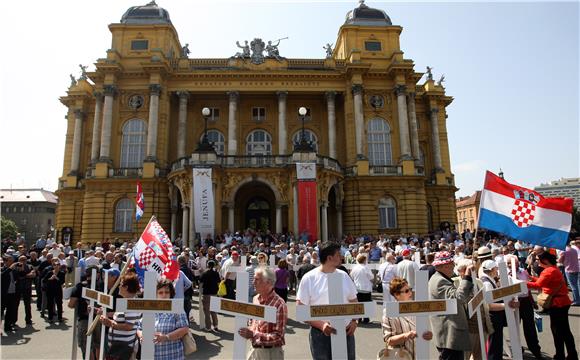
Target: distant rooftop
x,y
27,195
562,182
468,200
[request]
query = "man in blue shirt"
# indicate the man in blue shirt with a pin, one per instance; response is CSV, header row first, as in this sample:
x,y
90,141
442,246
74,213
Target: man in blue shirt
x,y
375,253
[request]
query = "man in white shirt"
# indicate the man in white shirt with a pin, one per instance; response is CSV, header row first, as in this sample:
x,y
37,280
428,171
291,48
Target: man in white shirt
x,y
363,281
406,268
313,290
230,276
387,271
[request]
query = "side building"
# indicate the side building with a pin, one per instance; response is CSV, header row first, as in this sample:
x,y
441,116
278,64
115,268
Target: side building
x,y
565,187
467,212
378,134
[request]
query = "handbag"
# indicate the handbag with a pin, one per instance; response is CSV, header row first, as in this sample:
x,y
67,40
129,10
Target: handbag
x,y
545,300
222,291
189,344
394,353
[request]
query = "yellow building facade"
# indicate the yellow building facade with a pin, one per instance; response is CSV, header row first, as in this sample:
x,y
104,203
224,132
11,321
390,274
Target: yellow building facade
x,y
378,134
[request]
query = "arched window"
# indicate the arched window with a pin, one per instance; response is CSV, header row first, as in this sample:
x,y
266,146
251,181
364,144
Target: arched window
x,y
310,136
379,142
218,140
124,215
133,143
387,213
259,142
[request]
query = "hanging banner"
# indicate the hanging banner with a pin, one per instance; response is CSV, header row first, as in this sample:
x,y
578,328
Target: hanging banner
x,y
203,206
307,204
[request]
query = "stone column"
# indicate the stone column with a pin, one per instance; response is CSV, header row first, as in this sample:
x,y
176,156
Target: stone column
x,y
155,91
105,153
97,127
282,137
331,110
339,222
182,123
77,139
173,223
295,208
403,122
231,218
233,123
358,119
185,223
278,218
324,221
413,126
435,143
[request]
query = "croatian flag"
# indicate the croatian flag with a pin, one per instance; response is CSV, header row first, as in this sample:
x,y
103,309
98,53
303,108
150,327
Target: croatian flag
x,y
524,214
140,202
154,252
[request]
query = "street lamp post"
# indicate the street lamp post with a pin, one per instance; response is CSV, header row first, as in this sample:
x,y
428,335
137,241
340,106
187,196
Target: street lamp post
x,y
205,145
303,145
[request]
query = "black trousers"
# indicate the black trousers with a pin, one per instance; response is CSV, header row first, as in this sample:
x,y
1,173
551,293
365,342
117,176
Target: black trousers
x,y
26,297
561,333
9,310
529,324
495,346
52,301
230,289
449,354
283,293
364,297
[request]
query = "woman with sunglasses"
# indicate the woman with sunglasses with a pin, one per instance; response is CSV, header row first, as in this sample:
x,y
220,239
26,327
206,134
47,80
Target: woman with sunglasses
x,y
400,332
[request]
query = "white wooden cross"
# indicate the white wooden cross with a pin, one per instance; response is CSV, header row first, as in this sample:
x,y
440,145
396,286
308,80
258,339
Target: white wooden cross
x,y
67,293
106,301
336,312
93,296
272,264
422,308
149,305
506,293
473,307
242,310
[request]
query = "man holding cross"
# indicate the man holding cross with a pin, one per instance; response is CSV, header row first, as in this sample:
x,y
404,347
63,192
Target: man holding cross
x,y
314,290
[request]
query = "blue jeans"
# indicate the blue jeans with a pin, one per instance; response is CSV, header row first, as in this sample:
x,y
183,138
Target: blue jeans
x,y
574,281
320,346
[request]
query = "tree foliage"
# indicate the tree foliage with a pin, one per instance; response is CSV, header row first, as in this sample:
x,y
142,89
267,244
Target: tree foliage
x,y
8,229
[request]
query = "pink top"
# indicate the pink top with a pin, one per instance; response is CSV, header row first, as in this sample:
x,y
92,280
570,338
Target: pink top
x,y
569,259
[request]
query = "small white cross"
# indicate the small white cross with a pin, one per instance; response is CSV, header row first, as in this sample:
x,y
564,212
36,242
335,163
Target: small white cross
x,y
92,295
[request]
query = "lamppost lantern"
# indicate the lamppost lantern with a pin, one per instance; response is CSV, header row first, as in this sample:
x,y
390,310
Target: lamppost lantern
x,y
303,145
205,145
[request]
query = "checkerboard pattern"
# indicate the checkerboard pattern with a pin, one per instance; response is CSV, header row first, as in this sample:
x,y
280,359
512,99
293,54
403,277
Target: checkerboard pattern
x,y
523,213
146,257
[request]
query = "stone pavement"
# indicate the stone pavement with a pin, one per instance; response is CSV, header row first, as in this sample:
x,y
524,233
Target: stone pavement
x,y
46,341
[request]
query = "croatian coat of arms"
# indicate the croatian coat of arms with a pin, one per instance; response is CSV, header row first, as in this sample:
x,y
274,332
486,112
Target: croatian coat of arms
x,y
524,208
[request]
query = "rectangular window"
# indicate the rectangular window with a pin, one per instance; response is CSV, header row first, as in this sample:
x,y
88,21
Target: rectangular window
x,y
258,114
139,44
214,114
372,45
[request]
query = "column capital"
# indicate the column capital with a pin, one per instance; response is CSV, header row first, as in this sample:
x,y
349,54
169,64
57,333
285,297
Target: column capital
x,y
110,90
357,89
282,95
98,95
182,94
324,203
411,95
233,95
155,89
400,89
185,205
330,95
79,114
434,111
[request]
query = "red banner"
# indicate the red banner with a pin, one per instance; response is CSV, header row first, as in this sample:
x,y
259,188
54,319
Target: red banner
x,y
307,209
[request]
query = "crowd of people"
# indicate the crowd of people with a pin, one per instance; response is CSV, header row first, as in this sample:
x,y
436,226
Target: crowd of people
x,y
458,265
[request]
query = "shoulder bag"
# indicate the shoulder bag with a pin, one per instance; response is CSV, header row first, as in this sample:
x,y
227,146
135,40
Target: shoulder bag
x,y
545,300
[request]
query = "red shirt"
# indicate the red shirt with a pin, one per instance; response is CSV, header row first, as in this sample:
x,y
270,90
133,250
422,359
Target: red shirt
x,y
270,334
549,281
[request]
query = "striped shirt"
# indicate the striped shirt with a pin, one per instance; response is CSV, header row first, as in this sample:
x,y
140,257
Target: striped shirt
x,y
393,326
128,337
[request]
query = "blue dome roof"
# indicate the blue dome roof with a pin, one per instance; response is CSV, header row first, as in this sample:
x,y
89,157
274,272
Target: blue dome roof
x,y
364,15
146,14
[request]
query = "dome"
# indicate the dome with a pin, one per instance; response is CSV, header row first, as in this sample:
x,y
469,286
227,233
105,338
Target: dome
x,y
364,15
146,14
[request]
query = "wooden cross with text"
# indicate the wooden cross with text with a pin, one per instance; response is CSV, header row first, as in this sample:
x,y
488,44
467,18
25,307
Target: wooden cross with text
x,y
422,308
67,293
93,296
336,312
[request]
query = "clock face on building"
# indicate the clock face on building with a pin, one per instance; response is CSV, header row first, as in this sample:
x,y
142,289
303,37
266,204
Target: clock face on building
x,y
136,101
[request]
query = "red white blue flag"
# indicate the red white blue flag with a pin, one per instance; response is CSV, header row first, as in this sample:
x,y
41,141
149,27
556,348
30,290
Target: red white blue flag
x,y
524,214
154,252
140,202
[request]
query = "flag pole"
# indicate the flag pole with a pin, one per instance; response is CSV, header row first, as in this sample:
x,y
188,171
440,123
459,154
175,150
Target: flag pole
x,y
93,325
476,267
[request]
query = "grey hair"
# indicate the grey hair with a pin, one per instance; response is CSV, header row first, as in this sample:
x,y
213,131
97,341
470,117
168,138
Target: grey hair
x,y
181,259
268,274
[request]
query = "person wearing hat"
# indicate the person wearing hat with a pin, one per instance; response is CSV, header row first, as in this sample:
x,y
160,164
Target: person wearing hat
x,y
406,268
451,332
496,310
230,276
210,280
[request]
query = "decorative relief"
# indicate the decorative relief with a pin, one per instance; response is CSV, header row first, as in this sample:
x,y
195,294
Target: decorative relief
x,y
377,101
280,183
136,102
230,182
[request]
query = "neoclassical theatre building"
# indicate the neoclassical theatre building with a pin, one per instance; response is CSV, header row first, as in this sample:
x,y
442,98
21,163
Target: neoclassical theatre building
x,y
375,130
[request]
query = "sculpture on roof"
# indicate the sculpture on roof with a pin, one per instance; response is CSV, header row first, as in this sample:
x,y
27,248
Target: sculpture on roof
x,y
441,80
185,51
328,48
258,46
73,81
83,72
272,49
429,73
245,50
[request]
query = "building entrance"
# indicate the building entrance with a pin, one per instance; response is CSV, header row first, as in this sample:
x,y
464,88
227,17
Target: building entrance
x,y
255,207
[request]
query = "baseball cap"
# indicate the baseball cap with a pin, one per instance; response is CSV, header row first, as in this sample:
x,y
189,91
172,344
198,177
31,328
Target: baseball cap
x,y
488,265
406,252
235,253
114,272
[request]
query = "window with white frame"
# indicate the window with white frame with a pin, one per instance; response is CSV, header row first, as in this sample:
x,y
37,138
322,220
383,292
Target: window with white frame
x,y
309,135
133,143
214,114
387,213
259,142
258,114
124,215
379,142
217,139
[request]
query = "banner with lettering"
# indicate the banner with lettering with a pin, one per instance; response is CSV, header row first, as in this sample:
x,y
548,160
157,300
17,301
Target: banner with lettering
x,y
307,203
203,202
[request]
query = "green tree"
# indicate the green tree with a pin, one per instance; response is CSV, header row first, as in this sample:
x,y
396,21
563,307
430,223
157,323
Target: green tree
x,y
8,228
575,220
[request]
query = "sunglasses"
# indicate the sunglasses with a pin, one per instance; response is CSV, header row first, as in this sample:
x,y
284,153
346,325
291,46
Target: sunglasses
x,y
406,291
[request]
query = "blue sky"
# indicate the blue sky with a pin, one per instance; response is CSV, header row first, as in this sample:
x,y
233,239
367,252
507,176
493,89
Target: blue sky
x,y
513,69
